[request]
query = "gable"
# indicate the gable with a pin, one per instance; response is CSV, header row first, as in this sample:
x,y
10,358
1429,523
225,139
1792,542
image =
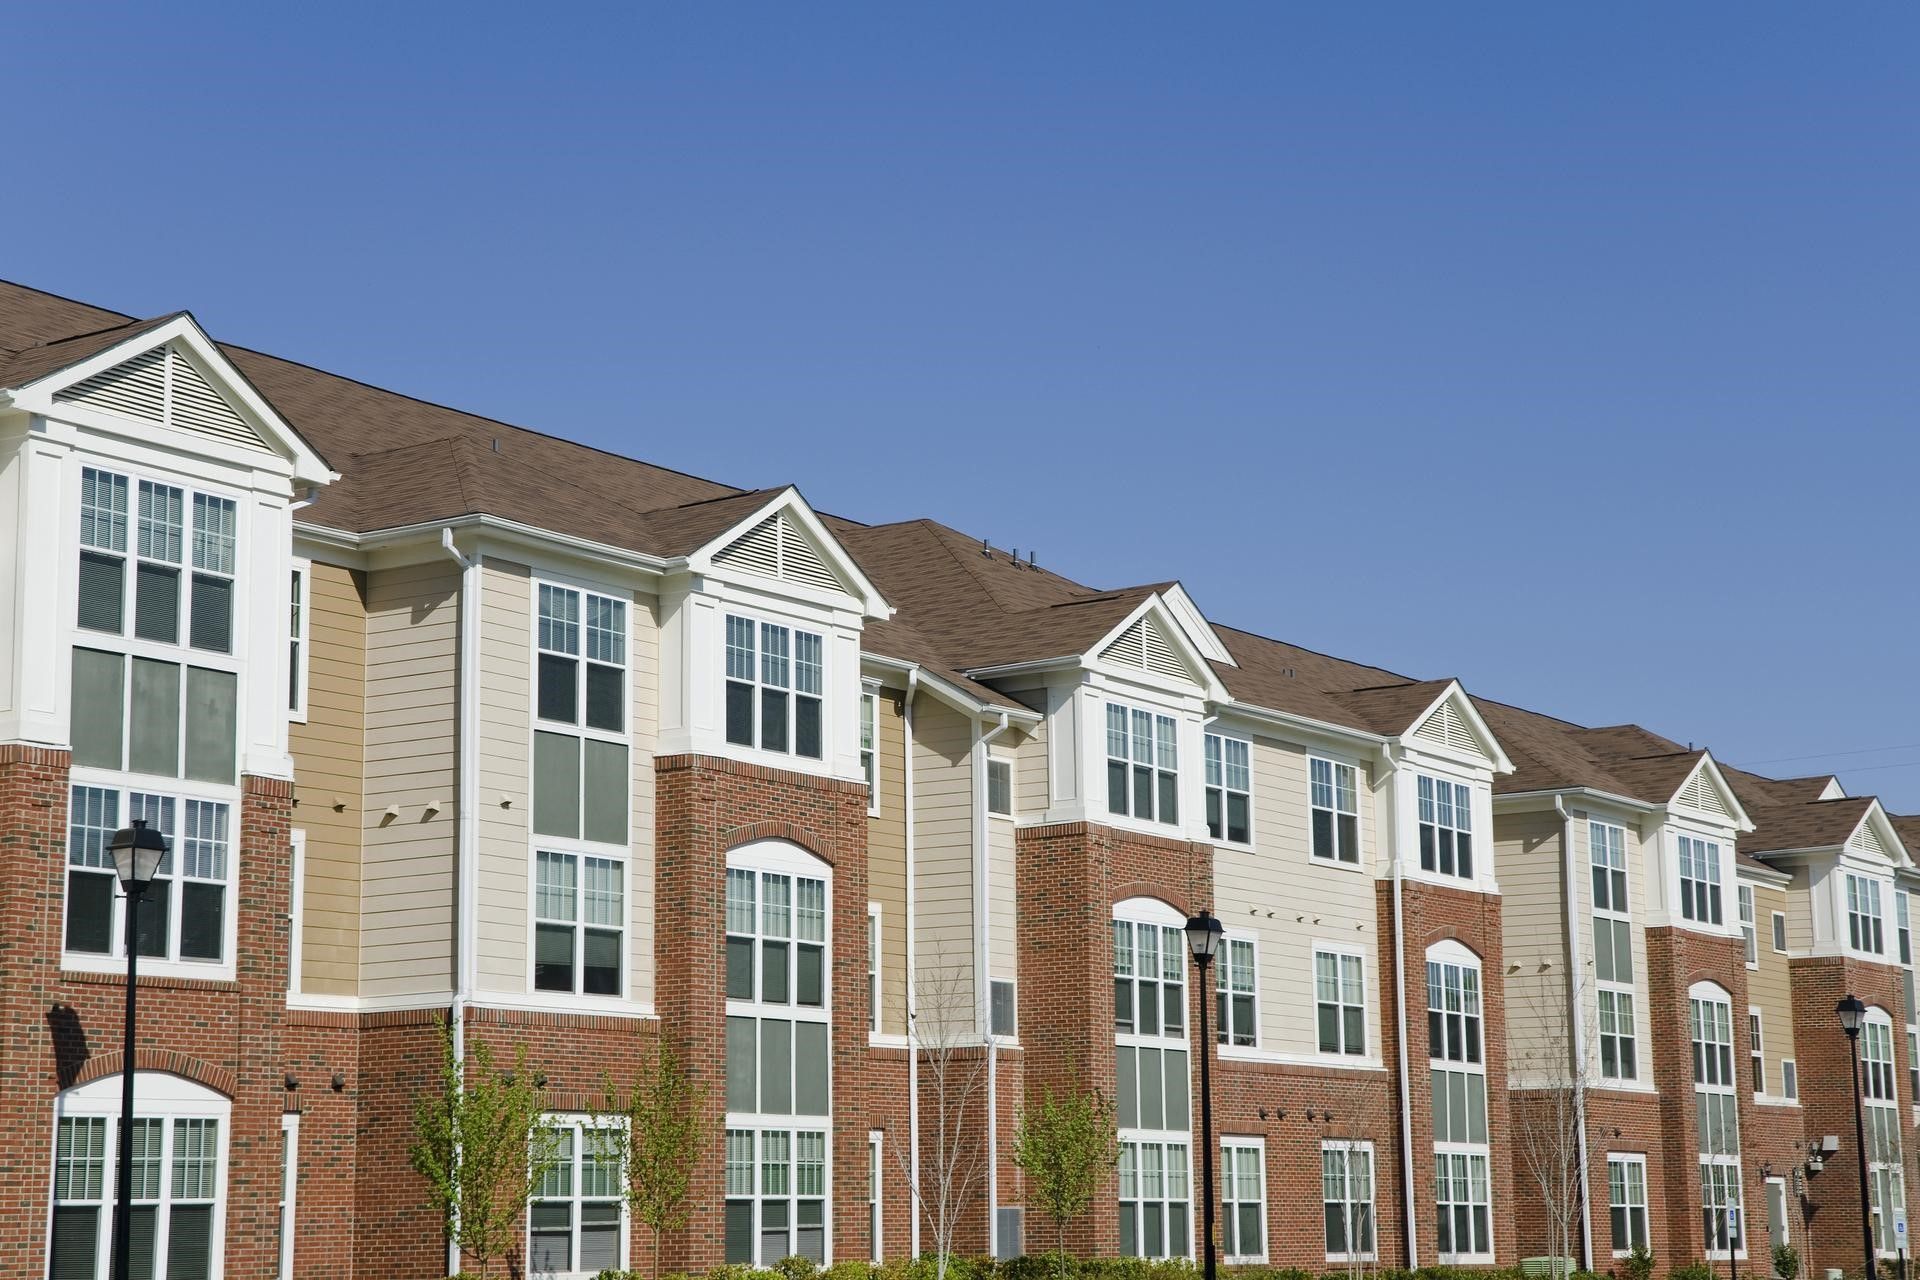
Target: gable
x,y
164,387
1867,839
1446,727
1145,645
1699,793
777,548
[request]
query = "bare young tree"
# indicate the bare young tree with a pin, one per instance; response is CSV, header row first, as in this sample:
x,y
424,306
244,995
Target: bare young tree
x,y
1554,1054
942,1032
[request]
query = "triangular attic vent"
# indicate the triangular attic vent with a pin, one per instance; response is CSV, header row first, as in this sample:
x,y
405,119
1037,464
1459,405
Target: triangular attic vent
x,y
776,548
1145,645
1446,727
1867,840
1701,794
163,387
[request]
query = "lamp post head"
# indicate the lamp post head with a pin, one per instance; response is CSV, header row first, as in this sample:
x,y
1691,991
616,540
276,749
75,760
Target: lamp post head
x,y
137,853
1203,937
1850,1010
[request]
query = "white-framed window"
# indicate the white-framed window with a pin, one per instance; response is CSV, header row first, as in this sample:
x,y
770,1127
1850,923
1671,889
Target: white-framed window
x,y
1789,1078
1446,827
299,606
296,908
1748,931
776,687
575,1226
1333,799
1340,1001
778,1087
1243,1199
289,1189
870,747
1462,1195
1235,982
1880,1094
185,913
1003,1009
1346,1198
174,578
873,967
1000,788
1865,930
1756,1050
876,1223
1143,764
579,923
1613,969
1780,932
179,1145
1229,788
1903,937
1151,1059
1699,879
1716,1120
1627,1202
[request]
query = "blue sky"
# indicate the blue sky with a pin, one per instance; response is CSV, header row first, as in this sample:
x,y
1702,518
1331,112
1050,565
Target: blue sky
x,y
1566,349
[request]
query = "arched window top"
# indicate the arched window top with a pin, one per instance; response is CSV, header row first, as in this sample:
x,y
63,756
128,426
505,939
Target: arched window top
x,y
154,1092
1452,951
1876,1014
779,855
1149,911
1704,990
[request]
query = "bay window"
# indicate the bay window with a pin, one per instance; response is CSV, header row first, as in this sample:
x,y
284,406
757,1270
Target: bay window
x,y
1143,774
1699,879
776,680
1151,1072
1446,827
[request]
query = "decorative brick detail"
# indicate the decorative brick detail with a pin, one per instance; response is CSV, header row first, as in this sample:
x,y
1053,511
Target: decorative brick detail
x,y
101,1065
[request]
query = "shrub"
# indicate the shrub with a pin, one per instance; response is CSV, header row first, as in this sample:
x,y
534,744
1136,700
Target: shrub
x,y
795,1267
1692,1271
1637,1265
1786,1261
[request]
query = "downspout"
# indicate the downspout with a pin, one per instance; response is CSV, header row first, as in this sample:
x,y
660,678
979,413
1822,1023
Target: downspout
x,y
913,1001
1577,1017
1408,1215
982,983
466,816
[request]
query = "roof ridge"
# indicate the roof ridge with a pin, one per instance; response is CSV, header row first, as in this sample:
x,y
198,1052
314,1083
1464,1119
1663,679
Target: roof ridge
x,y
93,333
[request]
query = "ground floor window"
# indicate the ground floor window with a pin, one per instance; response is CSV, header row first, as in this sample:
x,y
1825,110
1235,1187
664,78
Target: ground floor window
x,y
1627,1202
573,1223
776,1195
873,1195
178,1181
1888,1188
1155,1204
1346,1195
1720,1215
1243,1199
1460,1196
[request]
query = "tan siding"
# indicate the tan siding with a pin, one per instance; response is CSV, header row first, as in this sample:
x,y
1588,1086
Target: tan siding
x,y
1002,941
1768,987
1527,849
943,862
644,631
1031,793
887,861
328,769
1288,901
505,804
406,891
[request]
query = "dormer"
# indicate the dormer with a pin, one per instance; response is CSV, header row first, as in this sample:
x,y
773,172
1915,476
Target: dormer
x,y
760,636
1845,855
1446,756
1690,841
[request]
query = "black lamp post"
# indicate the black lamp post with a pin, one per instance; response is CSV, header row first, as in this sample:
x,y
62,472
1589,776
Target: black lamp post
x,y
137,851
1852,1012
1203,939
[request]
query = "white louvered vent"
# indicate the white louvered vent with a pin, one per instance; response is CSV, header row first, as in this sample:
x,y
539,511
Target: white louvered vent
x,y
1158,653
163,387
776,548
1867,840
1446,727
1701,794
1130,650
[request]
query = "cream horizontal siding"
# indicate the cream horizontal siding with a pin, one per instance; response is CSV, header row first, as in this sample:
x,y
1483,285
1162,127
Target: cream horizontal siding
x,y
505,800
943,865
1031,789
407,880
1287,901
1641,854
887,861
329,764
644,640
1770,988
1527,847
1002,917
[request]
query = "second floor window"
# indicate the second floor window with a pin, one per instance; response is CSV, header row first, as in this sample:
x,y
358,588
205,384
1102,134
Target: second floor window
x,y
1229,789
1453,1011
1334,802
174,575
1233,989
776,680
1865,931
579,923
1699,880
869,748
1744,895
1446,828
1143,765
1340,994
183,915
581,779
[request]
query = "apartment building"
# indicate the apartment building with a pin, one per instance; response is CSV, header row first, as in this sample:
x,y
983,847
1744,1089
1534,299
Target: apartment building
x,y
449,720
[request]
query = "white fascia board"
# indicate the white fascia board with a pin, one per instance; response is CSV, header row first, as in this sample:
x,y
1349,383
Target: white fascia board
x,y
1199,631
789,500
1876,818
1471,714
1772,877
425,538
307,466
1301,726
1038,666
1524,801
948,692
1741,821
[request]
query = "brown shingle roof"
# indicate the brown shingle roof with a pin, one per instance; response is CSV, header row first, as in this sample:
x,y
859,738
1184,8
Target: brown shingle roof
x,y
1391,709
1817,825
30,364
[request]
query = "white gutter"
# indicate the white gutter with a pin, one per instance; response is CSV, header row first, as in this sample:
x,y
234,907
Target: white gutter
x,y
347,540
1577,1016
466,814
913,1002
982,982
1407,1211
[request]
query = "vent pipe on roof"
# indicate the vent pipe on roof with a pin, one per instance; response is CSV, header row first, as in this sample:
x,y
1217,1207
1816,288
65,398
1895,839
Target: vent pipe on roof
x,y
985,549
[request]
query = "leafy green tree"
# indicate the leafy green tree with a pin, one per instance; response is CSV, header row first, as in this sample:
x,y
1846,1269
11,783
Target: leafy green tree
x,y
482,1143
655,1135
1065,1143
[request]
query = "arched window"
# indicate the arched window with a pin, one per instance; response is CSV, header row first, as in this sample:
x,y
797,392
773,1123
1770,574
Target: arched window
x,y
1882,1116
179,1178
1716,1119
779,916
1456,1059
1151,1062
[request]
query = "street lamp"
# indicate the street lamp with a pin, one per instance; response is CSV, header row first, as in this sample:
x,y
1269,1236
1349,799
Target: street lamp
x,y
1852,1012
1203,939
137,852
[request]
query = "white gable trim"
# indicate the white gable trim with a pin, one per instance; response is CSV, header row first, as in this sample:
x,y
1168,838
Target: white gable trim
x,y
789,503
1175,636
1454,699
275,432
1199,631
1875,836
1708,774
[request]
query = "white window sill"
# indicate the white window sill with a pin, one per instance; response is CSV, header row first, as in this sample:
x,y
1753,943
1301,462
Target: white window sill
x,y
149,967
1624,1086
1478,884
1351,1257
885,1040
1773,1100
1464,1259
1337,1061
1337,864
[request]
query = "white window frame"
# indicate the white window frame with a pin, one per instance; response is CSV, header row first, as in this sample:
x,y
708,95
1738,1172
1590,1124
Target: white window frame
x,y
584,1142
1626,1161
1866,917
1013,988
876,937
1607,864
296,909
1004,766
1162,764
1790,1079
1749,924
163,1097
1689,850
1448,957
876,1201
1453,819
1138,914
289,1190
299,638
1711,1044
1880,1100
1233,1197
1227,987
1757,1050
869,745
1348,1149
1218,780
1334,770
1343,959
578,924
1779,939
762,859
759,684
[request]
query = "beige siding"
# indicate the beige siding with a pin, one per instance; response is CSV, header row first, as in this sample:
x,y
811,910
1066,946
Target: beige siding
x,y
1527,848
943,863
1031,793
1289,902
1768,987
1003,942
505,803
328,770
406,891
1639,903
887,861
645,641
